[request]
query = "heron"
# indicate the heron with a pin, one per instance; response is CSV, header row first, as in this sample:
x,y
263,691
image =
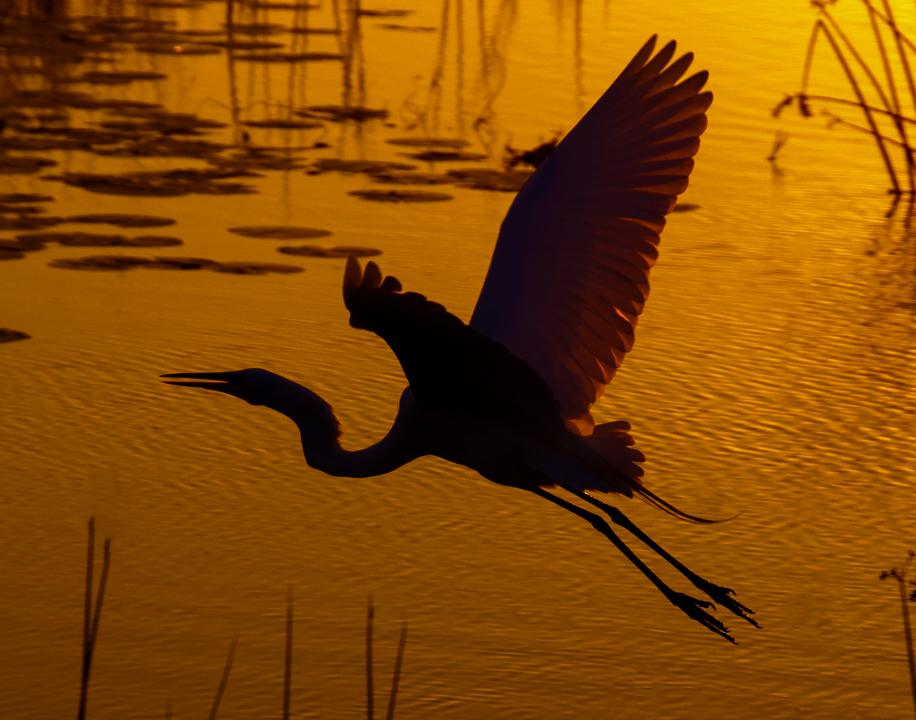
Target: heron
x,y
509,394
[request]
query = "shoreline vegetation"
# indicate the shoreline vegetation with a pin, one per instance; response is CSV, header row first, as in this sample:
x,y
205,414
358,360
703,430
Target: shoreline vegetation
x,y
889,118
92,616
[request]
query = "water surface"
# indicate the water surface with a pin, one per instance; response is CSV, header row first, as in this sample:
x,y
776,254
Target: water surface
x,y
772,378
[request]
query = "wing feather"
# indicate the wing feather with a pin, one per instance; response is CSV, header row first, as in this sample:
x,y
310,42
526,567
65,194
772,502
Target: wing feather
x,y
569,276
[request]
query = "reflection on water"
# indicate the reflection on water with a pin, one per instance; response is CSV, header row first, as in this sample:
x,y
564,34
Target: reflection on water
x,y
773,374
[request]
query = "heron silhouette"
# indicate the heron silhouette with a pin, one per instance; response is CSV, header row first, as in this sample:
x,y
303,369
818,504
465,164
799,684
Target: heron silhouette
x,y
509,394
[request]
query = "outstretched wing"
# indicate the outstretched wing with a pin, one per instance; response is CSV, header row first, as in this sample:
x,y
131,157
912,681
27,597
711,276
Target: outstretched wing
x,y
451,367
570,273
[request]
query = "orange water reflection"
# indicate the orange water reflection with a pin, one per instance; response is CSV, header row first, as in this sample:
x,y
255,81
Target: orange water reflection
x,y
772,376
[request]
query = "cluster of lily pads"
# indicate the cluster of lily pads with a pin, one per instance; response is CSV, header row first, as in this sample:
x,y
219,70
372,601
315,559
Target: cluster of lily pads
x,y
59,99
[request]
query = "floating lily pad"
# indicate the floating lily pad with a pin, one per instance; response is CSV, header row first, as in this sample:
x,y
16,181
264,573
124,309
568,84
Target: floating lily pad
x,y
167,183
380,12
307,30
23,165
490,179
163,146
358,166
84,239
331,252
128,262
122,220
17,142
399,196
17,198
255,268
445,156
173,4
28,222
279,232
23,243
47,98
283,124
254,28
246,45
339,113
244,163
176,49
180,263
100,262
279,5
429,142
411,178
289,57
7,335
685,207
119,77
407,28
10,254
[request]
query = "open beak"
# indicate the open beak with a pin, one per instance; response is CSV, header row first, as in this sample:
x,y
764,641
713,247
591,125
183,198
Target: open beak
x,y
221,381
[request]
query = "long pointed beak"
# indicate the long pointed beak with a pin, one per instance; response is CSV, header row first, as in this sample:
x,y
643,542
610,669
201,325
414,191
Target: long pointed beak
x,y
221,381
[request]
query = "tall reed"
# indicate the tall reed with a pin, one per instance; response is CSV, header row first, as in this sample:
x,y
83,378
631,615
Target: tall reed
x,y
899,575
896,52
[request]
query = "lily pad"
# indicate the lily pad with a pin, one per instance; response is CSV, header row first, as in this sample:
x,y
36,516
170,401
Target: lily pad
x,y
180,263
245,45
429,142
23,165
411,178
380,12
445,156
490,179
400,196
283,124
407,28
119,77
84,239
167,183
307,30
10,254
279,232
23,243
255,268
100,262
122,220
685,207
358,166
340,113
289,57
176,49
281,5
332,252
17,198
254,28
7,335
28,222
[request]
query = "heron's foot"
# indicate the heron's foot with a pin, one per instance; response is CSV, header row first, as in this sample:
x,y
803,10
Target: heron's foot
x,y
695,609
726,598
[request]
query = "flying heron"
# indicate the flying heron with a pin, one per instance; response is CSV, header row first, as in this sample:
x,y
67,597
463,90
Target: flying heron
x,y
509,394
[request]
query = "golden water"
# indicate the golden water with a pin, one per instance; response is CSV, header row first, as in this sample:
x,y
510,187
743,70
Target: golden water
x,y
773,378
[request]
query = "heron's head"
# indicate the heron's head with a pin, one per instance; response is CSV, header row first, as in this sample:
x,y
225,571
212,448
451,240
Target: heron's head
x,y
261,387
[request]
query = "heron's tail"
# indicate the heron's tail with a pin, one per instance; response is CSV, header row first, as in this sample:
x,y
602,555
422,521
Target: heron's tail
x,y
615,445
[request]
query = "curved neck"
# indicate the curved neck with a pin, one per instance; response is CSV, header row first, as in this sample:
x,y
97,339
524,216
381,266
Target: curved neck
x,y
322,450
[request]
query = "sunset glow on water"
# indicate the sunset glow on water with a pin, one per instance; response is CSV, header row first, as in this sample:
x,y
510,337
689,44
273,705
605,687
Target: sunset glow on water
x,y
772,381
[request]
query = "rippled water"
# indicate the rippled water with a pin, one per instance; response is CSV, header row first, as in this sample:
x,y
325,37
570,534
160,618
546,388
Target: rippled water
x,y
772,378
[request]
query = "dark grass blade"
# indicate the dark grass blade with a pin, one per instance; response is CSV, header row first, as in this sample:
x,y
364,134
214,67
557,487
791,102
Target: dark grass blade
x,y
396,677
224,680
288,659
92,614
370,615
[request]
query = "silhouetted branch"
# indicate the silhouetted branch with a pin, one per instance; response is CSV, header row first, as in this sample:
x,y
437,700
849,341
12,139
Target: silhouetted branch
x,y
899,574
